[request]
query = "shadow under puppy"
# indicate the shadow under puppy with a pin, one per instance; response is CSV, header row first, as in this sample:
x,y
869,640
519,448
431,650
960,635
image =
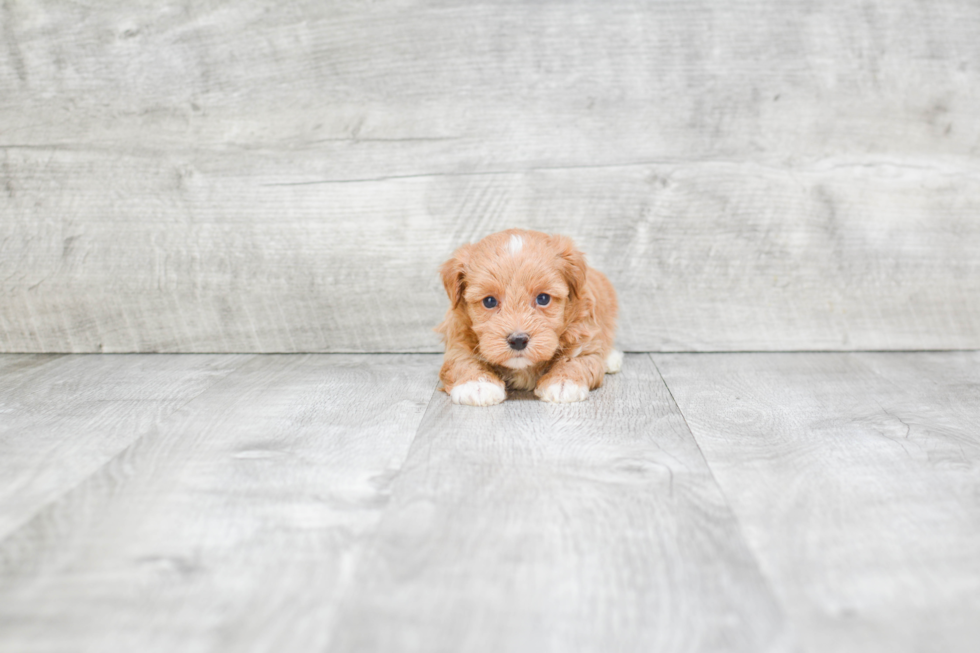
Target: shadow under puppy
x,y
526,312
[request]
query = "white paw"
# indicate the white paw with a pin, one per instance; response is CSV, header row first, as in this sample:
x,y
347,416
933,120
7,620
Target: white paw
x,y
478,393
563,392
614,362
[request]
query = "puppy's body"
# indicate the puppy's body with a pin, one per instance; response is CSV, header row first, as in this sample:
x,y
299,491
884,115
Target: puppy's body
x,y
527,313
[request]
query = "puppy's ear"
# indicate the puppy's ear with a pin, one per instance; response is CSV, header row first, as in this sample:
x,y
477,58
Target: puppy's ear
x,y
453,274
572,263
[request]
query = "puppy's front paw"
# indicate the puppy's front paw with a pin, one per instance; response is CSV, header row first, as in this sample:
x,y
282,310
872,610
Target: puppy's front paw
x,y
478,393
563,392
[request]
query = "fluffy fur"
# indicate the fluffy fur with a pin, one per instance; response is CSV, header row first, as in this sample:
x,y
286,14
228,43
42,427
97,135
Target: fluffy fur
x,y
569,340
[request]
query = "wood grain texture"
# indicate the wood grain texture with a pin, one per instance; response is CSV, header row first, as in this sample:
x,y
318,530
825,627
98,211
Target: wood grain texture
x,y
718,256
756,175
18,366
855,479
578,82
62,418
535,527
232,526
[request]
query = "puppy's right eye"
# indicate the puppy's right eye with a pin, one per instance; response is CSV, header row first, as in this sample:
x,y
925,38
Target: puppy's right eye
x,y
490,302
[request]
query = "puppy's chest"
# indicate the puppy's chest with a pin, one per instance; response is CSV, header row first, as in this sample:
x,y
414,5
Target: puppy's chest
x,y
523,379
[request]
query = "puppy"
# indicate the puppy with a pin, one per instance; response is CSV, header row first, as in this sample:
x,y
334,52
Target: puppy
x,y
526,313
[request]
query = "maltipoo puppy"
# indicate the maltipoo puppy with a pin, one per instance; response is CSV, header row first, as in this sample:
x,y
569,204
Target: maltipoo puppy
x,y
526,313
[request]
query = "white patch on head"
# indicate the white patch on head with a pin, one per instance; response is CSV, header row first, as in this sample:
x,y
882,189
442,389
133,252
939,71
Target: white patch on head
x,y
576,352
563,392
614,362
518,363
515,245
478,393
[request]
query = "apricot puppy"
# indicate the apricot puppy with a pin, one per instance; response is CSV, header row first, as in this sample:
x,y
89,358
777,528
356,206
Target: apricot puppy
x,y
526,313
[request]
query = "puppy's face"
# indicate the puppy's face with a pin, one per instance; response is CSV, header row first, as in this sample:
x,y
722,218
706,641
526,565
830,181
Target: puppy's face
x,y
515,289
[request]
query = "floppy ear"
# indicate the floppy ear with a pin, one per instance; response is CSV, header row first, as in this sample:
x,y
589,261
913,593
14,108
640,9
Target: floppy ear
x,y
453,275
572,263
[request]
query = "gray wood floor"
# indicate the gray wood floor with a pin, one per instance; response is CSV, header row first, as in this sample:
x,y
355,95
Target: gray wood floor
x,y
697,502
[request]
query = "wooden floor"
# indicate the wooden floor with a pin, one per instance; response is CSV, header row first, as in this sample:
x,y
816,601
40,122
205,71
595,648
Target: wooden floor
x,y
698,502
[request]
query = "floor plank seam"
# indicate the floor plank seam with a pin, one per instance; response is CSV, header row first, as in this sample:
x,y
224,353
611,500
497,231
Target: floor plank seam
x,y
370,534
770,586
139,438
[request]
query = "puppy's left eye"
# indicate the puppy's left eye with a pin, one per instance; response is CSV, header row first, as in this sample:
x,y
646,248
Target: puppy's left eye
x,y
543,299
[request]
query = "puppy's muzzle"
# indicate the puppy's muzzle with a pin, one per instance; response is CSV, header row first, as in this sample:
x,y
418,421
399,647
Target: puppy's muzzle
x,y
518,341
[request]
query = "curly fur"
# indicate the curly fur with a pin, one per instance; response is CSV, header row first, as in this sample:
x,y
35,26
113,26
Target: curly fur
x,y
570,339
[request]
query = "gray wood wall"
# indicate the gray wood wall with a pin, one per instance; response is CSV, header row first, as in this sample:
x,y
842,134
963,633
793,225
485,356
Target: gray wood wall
x,y
257,176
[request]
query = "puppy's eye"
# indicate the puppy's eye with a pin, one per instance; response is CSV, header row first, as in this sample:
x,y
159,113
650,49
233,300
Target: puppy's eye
x,y
490,302
543,299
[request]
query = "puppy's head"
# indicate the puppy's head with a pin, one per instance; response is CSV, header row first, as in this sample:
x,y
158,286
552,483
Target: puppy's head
x,y
516,291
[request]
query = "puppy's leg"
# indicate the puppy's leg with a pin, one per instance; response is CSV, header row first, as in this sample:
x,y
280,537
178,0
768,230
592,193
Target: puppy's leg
x,y
570,379
469,381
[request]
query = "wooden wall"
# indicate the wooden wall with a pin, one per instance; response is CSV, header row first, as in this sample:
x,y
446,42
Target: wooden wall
x,y
258,176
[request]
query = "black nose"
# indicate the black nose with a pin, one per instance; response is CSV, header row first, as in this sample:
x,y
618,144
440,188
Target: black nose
x,y
517,341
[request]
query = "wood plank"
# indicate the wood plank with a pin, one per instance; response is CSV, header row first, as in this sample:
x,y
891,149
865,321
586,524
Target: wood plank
x,y
855,479
464,86
704,256
752,176
62,418
233,526
14,367
534,527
